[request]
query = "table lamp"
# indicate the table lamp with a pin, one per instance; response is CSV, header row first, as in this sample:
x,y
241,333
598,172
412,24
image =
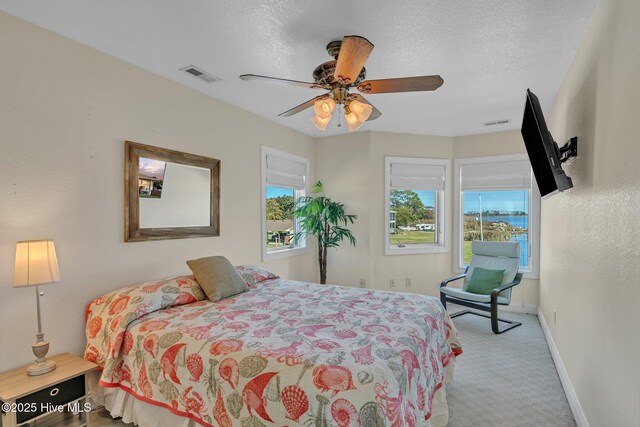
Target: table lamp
x,y
37,264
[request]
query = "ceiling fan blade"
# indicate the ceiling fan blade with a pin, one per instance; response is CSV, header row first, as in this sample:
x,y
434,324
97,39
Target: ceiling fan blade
x,y
354,52
303,106
248,77
374,114
403,84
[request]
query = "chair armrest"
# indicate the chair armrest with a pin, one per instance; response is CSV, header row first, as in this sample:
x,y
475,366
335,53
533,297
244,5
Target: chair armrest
x,y
496,291
454,278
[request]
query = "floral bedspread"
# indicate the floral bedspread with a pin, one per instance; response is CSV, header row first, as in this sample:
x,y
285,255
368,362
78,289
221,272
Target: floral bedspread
x,y
283,353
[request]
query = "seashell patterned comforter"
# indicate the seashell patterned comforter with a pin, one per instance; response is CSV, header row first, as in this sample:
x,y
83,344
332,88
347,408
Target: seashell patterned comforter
x,y
284,353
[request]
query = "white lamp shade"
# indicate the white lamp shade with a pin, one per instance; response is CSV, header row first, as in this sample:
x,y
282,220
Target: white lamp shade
x,y
352,121
362,110
320,123
36,263
324,108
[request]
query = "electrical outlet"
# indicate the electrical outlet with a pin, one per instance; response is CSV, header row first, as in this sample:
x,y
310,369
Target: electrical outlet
x,y
392,283
407,282
363,283
555,317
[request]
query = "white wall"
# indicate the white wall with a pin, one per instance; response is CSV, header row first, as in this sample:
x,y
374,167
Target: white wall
x,y
590,237
65,112
344,167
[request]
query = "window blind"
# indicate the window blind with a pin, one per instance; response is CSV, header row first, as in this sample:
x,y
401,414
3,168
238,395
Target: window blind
x,y
410,176
282,172
511,175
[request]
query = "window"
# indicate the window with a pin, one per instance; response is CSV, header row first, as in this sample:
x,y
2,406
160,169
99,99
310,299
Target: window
x,y
284,180
497,200
416,202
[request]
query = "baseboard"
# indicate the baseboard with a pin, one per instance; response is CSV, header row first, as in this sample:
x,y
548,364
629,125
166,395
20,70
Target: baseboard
x,y
520,308
572,397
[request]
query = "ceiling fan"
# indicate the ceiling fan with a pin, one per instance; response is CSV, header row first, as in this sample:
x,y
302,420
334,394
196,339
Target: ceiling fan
x,y
343,73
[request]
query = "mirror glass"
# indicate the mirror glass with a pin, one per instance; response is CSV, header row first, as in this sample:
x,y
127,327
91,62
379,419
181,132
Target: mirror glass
x,y
169,194
173,195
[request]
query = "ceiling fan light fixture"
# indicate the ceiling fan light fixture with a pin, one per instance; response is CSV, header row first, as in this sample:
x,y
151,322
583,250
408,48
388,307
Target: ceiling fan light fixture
x,y
320,122
345,72
324,108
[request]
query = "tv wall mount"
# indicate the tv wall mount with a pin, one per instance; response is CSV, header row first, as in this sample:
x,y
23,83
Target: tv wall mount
x,y
569,150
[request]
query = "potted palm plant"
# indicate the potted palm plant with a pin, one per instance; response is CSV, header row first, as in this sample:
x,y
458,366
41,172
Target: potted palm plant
x,y
325,219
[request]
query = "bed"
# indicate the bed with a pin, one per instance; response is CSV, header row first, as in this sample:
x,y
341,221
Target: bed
x,y
284,353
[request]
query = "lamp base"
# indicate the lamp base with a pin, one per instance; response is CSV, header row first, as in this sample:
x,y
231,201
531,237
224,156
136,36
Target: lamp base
x,y
41,365
39,368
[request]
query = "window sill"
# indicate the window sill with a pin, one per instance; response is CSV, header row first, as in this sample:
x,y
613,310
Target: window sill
x,y
284,253
435,249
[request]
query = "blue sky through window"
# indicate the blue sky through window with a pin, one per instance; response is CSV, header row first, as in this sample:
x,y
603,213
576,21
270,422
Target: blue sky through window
x,y
277,192
427,197
497,201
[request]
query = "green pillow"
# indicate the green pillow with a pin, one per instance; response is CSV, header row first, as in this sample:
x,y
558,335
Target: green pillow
x,y
217,277
483,280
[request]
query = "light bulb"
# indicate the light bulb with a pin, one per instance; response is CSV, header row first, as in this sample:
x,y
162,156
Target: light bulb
x,y
362,110
324,107
352,121
320,122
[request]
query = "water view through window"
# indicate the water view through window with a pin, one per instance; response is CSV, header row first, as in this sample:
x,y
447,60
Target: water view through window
x,y
412,217
496,216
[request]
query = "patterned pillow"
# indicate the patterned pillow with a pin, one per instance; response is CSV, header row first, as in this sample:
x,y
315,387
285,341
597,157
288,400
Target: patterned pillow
x,y
254,275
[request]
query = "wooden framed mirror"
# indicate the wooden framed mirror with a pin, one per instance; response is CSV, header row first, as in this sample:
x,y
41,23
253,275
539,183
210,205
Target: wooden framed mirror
x,y
169,194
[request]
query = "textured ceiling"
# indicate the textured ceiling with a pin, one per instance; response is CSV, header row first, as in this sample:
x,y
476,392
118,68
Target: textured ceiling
x,y
488,51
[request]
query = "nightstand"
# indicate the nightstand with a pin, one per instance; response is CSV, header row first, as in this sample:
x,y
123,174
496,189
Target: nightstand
x,y
30,400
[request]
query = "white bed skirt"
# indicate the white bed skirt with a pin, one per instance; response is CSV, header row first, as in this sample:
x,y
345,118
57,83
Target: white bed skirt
x,y
119,403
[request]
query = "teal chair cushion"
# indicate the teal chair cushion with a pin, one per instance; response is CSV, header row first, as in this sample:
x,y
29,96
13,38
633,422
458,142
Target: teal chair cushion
x,y
459,293
484,281
494,256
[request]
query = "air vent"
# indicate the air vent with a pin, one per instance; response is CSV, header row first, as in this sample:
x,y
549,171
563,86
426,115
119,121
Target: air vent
x,y
201,74
497,122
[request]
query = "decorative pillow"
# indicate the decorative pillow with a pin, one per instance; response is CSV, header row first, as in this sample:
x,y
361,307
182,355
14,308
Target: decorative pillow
x,y
483,280
253,274
217,277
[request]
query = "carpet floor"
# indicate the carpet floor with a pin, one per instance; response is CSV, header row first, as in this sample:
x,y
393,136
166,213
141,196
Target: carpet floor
x,y
506,380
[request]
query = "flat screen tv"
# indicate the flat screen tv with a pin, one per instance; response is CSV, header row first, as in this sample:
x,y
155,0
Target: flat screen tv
x,y
544,154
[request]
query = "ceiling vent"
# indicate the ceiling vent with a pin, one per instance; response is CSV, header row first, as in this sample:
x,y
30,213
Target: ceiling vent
x,y
497,122
201,74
